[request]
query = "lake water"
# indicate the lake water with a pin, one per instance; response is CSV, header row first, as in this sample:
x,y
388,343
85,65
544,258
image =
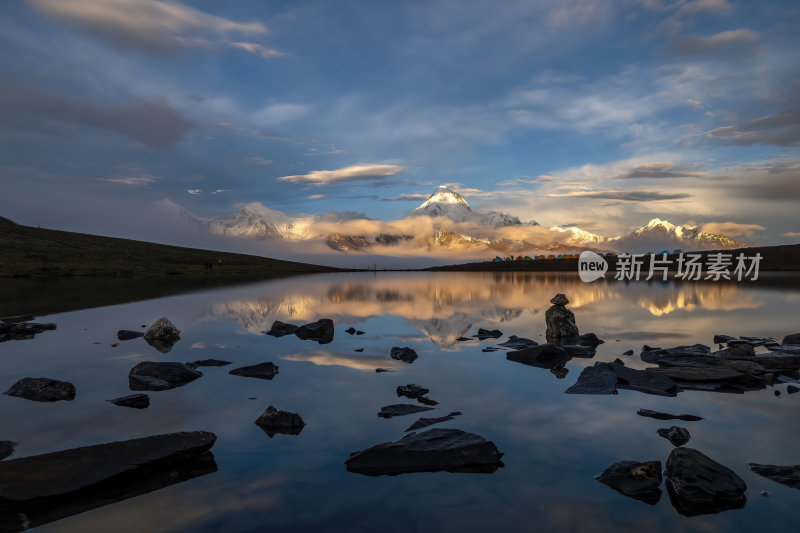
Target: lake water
x,y
554,444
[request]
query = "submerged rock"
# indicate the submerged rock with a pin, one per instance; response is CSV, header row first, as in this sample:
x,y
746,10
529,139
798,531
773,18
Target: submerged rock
x,y
412,391
434,450
634,479
7,448
666,416
262,371
209,362
406,355
279,329
651,355
587,339
676,435
320,331
273,421
542,356
156,375
597,379
786,475
16,319
699,485
381,370
401,409
351,330
42,390
162,335
484,334
644,381
136,401
126,334
20,330
560,320
425,421
518,342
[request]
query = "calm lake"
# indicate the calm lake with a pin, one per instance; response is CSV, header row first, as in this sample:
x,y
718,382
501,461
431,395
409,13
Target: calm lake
x,y
554,443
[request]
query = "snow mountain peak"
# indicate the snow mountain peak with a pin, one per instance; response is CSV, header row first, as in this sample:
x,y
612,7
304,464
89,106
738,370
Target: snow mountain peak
x,y
445,196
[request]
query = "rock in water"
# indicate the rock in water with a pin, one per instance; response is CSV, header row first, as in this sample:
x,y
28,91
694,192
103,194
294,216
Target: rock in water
x,y
156,375
162,335
560,320
484,334
401,409
434,450
699,485
351,330
541,356
126,335
42,390
279,329
518,342
676,435
666,416
209,362
587,339
137,401
44,488
412,391
791,339
634,479
425,421
273,421
643,381
261,371
787,475
320,331
7,448
406,355
597,379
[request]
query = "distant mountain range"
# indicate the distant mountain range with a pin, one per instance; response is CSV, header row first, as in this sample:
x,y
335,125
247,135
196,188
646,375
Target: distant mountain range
x,y
452,225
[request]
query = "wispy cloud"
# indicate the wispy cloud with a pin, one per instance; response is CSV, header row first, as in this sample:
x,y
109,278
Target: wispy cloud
x,y
700,44
138,181
661,169
792,234
317,196
406,198
360,172
731,229
259,161
625,196
780,129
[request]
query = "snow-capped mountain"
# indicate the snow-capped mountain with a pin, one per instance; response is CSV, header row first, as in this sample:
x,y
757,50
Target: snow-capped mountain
x,y
445,202
578,237
661,234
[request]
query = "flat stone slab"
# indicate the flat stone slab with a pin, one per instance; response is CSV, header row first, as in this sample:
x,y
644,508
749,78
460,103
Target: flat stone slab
x,y
157,375
209,362
650,355
425,421
597,379
643,381
518,342
136,401
262,371
786,475
406,355
401,409
412,391
434,450
699,485
698,373
676,435
42,390
636,480
666,416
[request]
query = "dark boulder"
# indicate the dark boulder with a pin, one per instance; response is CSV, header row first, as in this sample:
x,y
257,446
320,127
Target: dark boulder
x,y
7,448
791,339
320,331
634,479
273,421
351,330
597,379
381,370
261,371
126,334
162,335
676,435
560,320
426,401
279,329
541,356
167,375
627,352
723,339
401,409
425,421
699,485
587,339
741,350
484,334
434,450
666,416
406,355
359,350
136,401
42,390
412,391
786,475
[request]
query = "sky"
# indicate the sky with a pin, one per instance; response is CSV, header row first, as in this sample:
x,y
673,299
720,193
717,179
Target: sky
x,y
598,113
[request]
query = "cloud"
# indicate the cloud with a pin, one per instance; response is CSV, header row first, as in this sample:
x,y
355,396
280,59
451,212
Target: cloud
x,y
137,181
317,196
218,191
625,196
792,234
716,7
570,13
406,198
360,172
693,45
731,229
194,191
661,169
259,161
153,26
152,123
779,129
279,113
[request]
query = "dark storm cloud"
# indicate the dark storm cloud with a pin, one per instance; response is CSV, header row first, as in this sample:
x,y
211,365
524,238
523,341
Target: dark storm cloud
x,y
626,196
154,124
779,129
661,170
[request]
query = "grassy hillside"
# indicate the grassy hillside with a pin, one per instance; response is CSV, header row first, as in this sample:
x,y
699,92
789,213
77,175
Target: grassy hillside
x,y
43,253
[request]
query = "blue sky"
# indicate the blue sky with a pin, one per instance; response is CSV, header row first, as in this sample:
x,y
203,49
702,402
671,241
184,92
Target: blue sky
x,y
603,113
